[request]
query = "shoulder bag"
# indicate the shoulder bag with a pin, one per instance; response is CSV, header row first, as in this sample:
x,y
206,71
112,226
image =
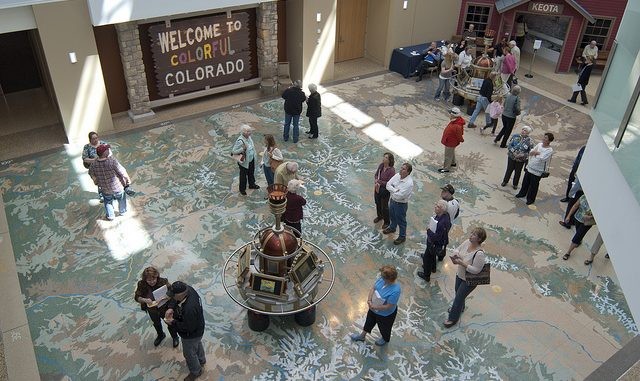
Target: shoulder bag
x,y
483,277
273,163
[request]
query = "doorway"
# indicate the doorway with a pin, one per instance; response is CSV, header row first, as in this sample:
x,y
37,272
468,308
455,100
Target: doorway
x,y
350,29
27,100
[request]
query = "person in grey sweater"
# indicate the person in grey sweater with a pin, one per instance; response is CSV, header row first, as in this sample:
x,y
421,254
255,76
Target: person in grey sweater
x,y
511,111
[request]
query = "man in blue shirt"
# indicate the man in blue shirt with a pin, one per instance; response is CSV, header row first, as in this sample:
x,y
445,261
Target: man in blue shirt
x,y
432,58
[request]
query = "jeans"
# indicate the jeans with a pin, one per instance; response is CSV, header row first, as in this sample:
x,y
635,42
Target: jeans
x,y
444,84
296,123
108,204
530,185
481,105
247,173
268,174
313,126
193,353
505,132
462,291
512,166
398,214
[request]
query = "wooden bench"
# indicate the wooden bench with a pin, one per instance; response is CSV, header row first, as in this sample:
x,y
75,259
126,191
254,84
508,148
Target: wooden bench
x,y
601,61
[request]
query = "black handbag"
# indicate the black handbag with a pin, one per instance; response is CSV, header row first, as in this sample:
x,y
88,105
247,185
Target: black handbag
x,y
545,173
483,277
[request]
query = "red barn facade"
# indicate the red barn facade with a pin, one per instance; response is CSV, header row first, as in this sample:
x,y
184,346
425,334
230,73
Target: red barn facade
x,y
564,27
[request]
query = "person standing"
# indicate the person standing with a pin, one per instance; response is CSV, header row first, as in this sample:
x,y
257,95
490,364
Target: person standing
x,y
583,81
149,282
381,195
244,146
521,31
582,217
515,51
453,209
89,155
509,114
437,239
383,306
572,174
486,92
271,158
508,67
452,136
495,111
314,110
185,314
286,172
293,99
539,159
293,213
111,178
446,72
469,257
400,186
517,155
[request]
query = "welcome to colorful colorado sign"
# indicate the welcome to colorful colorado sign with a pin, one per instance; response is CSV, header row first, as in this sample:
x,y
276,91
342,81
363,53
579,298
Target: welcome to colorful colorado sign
x,y
200,53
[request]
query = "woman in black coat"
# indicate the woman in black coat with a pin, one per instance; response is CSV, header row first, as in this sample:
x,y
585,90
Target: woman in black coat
x,y
583,81
314,111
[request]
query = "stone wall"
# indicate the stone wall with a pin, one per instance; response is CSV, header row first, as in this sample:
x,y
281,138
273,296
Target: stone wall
x,y
134,72
267,28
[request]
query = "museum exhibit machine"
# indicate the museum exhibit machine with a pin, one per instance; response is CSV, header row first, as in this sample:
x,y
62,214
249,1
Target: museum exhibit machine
x,y
278,273
466,85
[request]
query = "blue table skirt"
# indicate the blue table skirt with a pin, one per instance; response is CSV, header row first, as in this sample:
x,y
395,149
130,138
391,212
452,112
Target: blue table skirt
x,y
405,60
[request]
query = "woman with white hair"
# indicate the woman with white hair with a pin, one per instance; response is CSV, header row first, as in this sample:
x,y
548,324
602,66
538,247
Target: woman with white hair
x,y
244,147
293,214
437,239
518,150
314,110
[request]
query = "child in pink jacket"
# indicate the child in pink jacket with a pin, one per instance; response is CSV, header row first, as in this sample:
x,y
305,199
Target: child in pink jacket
x,y
495,110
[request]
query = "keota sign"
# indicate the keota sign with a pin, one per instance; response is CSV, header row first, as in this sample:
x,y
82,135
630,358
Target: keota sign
x,y
194,54
549,8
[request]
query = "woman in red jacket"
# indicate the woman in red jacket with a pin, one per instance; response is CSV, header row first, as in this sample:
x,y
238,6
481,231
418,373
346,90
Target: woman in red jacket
x,y
451,138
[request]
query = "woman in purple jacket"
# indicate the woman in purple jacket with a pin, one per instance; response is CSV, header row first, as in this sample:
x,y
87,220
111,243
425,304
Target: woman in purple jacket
x,y
381,195
293,214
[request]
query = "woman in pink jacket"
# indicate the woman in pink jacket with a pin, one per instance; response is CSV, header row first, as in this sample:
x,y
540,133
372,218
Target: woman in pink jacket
x,y
508,66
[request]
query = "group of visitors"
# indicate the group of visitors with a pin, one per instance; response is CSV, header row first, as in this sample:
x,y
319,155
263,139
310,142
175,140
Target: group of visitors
x,y
294,97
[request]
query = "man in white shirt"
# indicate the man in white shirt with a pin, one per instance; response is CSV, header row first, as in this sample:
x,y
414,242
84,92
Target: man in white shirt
x,y
401,188
591,51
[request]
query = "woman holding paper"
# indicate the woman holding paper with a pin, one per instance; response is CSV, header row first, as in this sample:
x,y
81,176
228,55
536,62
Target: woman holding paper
x,y
470,258
583,81
383,306
151,294
437,239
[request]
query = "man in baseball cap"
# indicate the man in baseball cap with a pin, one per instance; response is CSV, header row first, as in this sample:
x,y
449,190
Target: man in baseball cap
x,y
451,138
185,314
111,178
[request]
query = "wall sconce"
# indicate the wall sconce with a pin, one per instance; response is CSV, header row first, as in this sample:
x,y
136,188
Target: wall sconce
x,y
405,3
73,57
318,17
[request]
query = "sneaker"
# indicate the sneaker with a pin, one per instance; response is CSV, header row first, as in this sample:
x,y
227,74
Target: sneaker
x,y
243,193
158,340
471,125
436,98
584,103
357,337
254,186
423,276
388,231
503,184
442,170
380,342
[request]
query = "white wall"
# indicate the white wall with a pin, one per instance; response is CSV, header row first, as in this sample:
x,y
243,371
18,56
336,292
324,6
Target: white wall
x,y
617,214
15,19
104,12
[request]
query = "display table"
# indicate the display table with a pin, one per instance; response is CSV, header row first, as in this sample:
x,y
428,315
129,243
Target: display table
x,y
405,60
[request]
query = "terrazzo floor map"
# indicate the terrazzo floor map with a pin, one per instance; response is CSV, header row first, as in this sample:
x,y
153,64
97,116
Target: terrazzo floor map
x,y
541,319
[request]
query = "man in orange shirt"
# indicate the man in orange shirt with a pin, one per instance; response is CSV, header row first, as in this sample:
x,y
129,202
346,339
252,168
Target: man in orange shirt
x,y
451,138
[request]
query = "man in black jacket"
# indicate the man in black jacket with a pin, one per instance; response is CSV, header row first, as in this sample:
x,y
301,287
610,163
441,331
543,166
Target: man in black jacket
x,y
293,99
314,111
486,91
583,81
185,314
